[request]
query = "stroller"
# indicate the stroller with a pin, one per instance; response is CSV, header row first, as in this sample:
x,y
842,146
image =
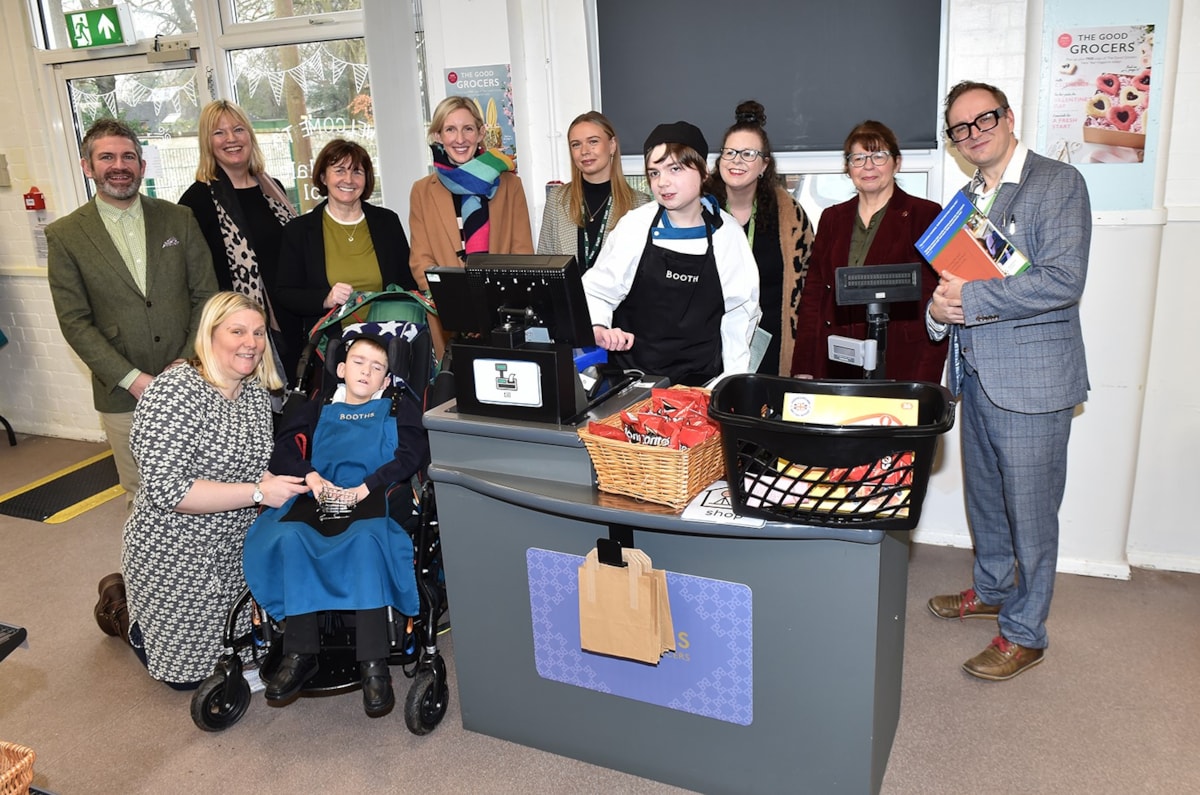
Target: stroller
x,y
254,636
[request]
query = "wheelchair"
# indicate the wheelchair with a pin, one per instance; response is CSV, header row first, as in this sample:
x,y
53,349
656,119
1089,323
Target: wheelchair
x,y
252,636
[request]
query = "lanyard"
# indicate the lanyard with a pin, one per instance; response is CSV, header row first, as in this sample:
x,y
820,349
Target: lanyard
x,y
750,223
592,249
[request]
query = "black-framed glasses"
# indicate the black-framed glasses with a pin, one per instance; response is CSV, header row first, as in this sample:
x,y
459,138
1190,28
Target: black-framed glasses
x,y
749,155
983,122
859,159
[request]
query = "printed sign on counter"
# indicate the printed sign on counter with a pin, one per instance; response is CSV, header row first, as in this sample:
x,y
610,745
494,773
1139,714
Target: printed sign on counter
x,y
711,672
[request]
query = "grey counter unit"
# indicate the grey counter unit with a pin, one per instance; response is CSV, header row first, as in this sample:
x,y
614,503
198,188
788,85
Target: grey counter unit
x,y
827,623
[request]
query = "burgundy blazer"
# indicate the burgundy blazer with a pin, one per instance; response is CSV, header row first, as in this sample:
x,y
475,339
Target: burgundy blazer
x,y
911,355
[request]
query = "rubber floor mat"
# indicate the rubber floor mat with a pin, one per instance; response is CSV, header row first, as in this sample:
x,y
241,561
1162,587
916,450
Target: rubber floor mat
x,y
65,494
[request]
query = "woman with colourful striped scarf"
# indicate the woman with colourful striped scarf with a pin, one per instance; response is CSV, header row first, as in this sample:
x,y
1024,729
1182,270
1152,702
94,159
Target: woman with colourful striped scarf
x,y
473,203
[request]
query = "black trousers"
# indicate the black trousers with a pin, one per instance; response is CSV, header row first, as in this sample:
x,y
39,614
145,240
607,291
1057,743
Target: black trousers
x,y
302,635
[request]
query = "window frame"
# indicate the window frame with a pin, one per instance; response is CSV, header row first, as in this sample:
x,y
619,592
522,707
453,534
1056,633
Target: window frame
x,y
211,45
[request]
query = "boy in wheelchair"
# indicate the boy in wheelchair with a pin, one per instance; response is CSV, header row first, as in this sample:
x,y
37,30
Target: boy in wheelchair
x,y
343,546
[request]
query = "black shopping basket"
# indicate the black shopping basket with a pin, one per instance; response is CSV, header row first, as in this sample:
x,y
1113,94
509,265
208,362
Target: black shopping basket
x,y
864,476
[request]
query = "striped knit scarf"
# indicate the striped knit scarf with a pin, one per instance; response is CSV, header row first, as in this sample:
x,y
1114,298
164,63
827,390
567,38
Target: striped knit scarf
x,y
474,182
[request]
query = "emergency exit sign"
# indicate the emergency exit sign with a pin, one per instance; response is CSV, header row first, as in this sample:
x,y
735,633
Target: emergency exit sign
x,y
100,27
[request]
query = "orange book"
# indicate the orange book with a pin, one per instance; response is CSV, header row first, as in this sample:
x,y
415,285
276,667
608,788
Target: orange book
x,y
963,241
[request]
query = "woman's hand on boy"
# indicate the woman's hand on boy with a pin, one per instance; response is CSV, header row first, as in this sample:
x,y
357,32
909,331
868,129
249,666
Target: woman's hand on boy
x,y
278,489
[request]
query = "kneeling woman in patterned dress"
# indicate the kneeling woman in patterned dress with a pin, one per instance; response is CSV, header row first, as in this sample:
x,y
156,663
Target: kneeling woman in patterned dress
x,y
202,438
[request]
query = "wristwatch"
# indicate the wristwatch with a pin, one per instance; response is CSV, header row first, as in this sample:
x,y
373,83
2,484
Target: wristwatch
x,y
258,495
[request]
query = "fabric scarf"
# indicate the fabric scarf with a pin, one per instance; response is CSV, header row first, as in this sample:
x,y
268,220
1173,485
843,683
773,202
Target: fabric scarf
x,y
239,248
474,182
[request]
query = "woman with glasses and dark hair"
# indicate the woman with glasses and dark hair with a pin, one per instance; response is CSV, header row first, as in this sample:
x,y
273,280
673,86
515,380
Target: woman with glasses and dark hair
x,y
580,214
780,235
344,244
879,226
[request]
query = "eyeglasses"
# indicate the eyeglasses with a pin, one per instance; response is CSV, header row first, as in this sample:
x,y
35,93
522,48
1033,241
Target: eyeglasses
x,y
983,122
749,155
859,159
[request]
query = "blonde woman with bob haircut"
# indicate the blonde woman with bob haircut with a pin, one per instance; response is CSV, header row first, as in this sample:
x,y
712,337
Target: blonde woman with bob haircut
x,y
242,211
202,437
472,203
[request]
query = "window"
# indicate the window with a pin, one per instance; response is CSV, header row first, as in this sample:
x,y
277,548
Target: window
x,y
301,84
161,106
300,97
259,10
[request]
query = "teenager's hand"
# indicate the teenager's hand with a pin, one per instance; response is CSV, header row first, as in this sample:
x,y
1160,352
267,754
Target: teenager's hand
x,y
613,339
316,484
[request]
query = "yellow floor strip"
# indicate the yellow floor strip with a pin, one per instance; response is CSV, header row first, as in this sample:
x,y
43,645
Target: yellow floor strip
x,y
58,474
72,511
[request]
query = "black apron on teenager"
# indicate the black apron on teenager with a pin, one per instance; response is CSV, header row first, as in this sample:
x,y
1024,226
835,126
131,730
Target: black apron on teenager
x,y
674,310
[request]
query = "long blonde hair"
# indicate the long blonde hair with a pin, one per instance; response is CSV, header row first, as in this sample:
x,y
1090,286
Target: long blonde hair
x,y
622,194
210,118
216,311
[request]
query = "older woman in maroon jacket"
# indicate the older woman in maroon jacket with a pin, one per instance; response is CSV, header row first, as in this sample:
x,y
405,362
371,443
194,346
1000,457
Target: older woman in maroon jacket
x,y
879,226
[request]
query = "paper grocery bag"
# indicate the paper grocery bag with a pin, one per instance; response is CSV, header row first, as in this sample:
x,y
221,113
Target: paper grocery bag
x,y
624,611
666,627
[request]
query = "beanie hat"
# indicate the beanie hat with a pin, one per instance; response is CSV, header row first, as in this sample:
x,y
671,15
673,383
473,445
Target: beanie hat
x,y
681,132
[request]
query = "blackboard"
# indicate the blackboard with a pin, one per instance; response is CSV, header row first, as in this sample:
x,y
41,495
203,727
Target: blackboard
x,y
819,67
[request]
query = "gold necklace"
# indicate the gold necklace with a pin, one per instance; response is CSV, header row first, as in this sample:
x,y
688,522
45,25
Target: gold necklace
x,y
353,230
592,215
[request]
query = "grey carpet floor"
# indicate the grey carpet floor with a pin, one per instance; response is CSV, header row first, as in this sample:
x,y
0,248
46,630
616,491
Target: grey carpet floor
x,y
1113,708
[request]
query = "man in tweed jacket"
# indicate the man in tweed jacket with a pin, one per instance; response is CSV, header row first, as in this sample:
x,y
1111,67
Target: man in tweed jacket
x,y
1017,359
128,275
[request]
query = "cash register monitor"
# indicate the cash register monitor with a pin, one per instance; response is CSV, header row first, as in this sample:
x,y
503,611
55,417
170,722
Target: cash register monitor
x,y
510,295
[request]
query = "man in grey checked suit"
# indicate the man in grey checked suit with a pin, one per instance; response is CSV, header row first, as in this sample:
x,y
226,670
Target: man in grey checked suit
x,y
1017,359
129,275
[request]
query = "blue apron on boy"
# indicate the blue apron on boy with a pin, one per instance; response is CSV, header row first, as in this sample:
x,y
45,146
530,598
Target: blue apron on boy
x,y
293,567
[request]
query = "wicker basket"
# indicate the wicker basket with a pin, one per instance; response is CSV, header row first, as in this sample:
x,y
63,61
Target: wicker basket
x,y
16,768
655,474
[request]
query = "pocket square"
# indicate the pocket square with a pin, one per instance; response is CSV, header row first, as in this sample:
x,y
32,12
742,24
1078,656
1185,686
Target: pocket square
x,y
170,241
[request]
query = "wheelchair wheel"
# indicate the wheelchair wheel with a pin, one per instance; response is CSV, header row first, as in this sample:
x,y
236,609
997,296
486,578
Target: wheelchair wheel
x,y
212,711
426,703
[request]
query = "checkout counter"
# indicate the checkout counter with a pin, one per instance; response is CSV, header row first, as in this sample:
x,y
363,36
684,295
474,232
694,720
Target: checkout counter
x,y
790,638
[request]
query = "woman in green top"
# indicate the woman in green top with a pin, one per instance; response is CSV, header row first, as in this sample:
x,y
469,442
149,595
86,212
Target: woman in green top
x,y
343,244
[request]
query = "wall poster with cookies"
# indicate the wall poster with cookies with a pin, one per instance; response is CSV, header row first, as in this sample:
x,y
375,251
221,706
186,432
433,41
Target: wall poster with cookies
x,y
1100,94
491,89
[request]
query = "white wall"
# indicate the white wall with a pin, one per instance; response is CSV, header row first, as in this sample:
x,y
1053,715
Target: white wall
x,y
44,388
1133,440
1160,533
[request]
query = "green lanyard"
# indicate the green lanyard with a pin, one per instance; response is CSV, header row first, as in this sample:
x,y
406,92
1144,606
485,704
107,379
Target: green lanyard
x,y
590,250
750,225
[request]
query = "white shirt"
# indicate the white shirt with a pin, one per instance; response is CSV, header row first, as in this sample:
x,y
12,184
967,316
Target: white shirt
x,y
607,283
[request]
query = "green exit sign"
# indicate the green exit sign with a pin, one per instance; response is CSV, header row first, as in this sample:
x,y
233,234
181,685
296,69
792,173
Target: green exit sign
x,y
100,27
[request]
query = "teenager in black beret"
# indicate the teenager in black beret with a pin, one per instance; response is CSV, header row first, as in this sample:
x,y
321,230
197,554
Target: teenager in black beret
x,y
674,290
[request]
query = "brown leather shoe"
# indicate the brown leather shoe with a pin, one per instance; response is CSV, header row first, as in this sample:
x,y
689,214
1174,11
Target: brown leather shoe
x,y
962,605
112,615
1002,660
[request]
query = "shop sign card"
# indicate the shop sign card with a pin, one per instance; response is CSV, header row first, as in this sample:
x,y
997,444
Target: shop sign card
x,y
710,672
